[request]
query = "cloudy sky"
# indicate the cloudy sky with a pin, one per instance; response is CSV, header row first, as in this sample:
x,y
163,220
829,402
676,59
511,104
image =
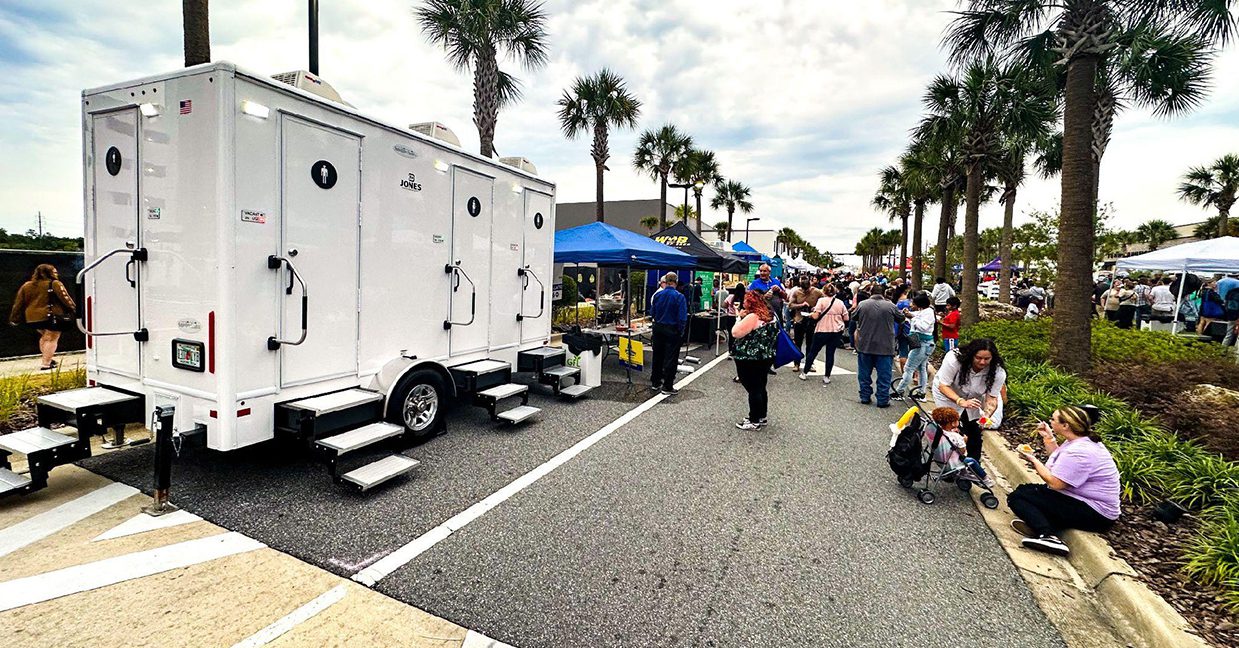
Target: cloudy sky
x,y
802,100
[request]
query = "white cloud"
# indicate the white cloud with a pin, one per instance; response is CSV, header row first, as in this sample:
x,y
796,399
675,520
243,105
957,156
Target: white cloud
x,y
802,100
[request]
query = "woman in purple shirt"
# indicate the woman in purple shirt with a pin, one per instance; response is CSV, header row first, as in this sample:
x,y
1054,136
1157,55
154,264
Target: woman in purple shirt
x,y
1081,489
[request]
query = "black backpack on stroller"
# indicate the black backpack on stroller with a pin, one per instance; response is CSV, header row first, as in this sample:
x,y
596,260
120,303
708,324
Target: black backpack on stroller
x,y
906,457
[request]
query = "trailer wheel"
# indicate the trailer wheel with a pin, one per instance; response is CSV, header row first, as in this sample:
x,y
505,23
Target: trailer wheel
x,y
418,403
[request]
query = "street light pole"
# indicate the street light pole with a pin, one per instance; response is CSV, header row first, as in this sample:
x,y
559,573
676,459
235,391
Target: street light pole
x,y
746,229
686,187
313,36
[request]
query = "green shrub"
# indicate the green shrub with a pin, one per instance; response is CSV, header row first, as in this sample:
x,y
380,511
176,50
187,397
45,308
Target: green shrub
x,y
1029,341
568,295
567,315
1212,557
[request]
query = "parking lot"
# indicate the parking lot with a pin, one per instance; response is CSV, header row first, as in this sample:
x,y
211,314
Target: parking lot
x,y
670,528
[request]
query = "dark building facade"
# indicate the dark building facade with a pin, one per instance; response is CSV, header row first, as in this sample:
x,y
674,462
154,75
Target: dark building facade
x,y
624,214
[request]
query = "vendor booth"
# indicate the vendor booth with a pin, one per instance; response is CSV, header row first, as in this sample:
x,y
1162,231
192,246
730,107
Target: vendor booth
x,y
709,263
1211,256
609,246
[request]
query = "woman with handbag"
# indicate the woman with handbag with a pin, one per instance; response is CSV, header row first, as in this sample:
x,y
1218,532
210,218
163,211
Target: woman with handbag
x,y
830,317
755,334
44,305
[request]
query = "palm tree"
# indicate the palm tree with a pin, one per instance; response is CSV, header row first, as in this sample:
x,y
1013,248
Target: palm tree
x,y
1156,232
891,240
197,32
683,214
916,168
870,247
732,196
893,198
1010,170
474,34
1155,53
1214,186
980,106
698,168
940,158
1210,228
722,229
656,154
649,223
597,104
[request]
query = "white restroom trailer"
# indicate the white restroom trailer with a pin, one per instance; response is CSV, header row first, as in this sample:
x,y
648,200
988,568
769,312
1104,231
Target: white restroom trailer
x,y
255,251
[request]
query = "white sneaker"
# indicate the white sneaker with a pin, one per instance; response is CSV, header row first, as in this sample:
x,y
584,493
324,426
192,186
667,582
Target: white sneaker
x,y
825,380
748,425
1047,543
802,376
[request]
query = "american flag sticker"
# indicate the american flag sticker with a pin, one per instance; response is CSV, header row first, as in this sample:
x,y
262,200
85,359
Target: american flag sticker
x,y
187,106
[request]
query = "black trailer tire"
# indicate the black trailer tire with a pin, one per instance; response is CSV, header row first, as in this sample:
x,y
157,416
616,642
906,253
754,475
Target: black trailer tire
x,y
419,403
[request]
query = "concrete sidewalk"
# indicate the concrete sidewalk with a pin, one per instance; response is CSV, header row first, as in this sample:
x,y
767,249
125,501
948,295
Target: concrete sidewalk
x,y
69,360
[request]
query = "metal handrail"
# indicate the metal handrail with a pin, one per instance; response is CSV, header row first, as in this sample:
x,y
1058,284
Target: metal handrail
x,y
455,270
274,262
135,254
526,272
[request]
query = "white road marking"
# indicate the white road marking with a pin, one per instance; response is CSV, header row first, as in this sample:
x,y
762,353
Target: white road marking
x,y
45,524
294,618
141,523
81,578
401,557
479,640
819,369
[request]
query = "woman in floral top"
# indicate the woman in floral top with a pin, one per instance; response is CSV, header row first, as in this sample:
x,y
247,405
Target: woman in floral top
x,y
755,334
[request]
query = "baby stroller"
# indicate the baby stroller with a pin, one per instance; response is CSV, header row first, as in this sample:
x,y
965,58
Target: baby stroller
x,y
913,461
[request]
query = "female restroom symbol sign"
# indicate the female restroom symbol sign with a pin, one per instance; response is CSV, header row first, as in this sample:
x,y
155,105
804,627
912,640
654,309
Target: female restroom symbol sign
x,y
112,160
323,174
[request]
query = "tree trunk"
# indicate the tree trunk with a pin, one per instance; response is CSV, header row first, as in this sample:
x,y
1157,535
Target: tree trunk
x,y
1070,332
730,212
662,200
197,32
971,311
1223,227
903,241
600,152
486,102
944,232
1004,249
917,225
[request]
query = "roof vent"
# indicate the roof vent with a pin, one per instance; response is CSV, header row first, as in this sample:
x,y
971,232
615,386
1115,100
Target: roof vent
x,y
437,131
312,84
520,163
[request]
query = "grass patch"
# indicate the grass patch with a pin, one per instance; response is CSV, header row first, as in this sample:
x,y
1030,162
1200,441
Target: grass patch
x,y
18,393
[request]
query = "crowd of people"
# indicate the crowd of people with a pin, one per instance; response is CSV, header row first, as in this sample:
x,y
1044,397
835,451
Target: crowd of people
x,y
1129,301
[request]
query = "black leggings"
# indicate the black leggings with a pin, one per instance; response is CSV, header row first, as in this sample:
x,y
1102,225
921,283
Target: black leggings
x,y
1049,512
973,436
829,341
753,376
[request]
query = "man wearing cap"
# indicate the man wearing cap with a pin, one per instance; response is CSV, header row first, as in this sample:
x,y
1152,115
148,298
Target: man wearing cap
x,y
669,310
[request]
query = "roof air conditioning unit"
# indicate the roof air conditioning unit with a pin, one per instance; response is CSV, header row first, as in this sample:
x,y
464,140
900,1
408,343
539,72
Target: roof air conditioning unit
x,y
312,84
437,131
520,163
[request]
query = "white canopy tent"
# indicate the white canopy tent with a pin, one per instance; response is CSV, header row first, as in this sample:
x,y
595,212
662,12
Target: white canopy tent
x,y
1212,256
799,264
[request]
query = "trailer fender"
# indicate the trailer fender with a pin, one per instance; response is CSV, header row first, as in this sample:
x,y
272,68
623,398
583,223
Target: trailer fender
x,y
386,380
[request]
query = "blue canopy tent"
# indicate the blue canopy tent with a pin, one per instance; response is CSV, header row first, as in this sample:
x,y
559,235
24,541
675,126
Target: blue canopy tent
x,y
607,245
748,252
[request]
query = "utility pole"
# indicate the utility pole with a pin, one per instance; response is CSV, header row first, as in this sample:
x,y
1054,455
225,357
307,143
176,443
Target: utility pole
x,y
40,213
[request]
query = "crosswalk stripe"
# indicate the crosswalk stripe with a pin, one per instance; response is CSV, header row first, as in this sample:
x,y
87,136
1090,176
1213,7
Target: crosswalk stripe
x,y
294,618
81,578
45,524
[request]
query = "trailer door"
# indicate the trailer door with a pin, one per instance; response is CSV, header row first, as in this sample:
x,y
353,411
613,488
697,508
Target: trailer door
x,y
539,237
319,232
113,286
472,205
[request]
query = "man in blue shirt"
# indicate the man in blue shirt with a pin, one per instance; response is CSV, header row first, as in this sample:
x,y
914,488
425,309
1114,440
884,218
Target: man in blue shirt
x,y
1224,287
669,310
775,294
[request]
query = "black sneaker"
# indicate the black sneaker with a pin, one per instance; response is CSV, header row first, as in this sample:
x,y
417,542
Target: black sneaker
x,y
748,425
763,422
670,391
1047,543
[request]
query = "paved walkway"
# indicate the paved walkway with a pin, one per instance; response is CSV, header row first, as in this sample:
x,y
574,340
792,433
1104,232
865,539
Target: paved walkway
x,y
629,519
18,366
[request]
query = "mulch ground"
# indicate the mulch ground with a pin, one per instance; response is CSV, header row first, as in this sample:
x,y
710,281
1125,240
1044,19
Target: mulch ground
x,y
1155,550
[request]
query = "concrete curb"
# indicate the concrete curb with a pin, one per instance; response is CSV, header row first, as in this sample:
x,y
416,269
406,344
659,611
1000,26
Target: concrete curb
x,y
1139,614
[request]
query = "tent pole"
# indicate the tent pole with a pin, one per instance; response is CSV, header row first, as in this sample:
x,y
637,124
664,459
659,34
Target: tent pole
x,y
628,316
1174,323
718,311
576,299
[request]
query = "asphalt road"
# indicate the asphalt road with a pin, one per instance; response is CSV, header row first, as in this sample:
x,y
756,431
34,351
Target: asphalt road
x,y
675,530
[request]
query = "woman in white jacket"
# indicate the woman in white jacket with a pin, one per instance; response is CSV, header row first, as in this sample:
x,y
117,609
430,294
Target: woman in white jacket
x,y
921,330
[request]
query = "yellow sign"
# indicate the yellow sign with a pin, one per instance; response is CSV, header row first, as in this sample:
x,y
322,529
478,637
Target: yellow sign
x,y
632,352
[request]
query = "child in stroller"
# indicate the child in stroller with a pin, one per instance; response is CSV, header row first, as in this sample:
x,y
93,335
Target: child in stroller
x,y
932,450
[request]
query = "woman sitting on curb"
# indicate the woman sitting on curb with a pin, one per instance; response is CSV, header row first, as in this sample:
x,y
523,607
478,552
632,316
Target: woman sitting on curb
x,y
1081,489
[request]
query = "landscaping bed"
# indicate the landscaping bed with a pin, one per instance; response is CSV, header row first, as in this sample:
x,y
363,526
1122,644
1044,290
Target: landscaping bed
x,y
1171,439
18,394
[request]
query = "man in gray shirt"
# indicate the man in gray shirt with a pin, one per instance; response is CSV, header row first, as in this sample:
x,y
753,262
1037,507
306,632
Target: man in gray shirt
x,y
876,322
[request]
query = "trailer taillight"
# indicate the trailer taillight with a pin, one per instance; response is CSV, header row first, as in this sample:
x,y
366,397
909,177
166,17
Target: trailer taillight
x,y
211,342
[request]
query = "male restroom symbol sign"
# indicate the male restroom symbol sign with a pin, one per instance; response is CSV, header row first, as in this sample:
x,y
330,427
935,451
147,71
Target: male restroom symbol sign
x,y
474,206
323,174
